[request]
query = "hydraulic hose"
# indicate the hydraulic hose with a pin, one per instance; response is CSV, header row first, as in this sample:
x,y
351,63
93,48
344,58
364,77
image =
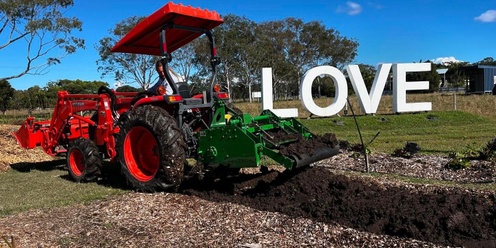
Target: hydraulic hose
x,y
104,89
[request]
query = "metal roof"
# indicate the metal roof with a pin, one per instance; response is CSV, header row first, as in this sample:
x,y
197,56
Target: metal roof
x,y
144,38
441,71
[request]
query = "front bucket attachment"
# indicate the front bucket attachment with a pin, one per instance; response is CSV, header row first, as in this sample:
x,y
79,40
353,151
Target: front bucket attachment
x,y
30,133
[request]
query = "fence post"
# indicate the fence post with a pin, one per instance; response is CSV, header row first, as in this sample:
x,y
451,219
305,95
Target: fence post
x,y
454,101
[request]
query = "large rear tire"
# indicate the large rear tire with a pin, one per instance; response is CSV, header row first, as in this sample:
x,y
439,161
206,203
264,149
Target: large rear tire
x,y
83,160
151,149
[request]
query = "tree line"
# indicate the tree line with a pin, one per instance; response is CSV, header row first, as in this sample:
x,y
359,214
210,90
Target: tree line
x,y
37,97
290,46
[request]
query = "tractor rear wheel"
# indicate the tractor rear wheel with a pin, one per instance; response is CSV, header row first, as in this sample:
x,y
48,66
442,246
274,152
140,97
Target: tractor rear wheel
x,y
83,160
151,149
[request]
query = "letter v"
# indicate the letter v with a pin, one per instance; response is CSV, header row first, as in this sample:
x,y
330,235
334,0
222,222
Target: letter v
x,y
369,103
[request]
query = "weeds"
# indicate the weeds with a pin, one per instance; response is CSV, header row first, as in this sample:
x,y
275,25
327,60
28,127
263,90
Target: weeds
x,y
458,161
461,160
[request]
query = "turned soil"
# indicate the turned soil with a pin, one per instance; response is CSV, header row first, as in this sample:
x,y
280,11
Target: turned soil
x,y
455,216
452,216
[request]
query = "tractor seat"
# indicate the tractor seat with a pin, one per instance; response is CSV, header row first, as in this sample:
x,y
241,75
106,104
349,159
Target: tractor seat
x,y
183,89
185,93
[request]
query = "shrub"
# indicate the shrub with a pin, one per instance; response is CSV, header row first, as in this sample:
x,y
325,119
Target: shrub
x,y
408,151
458,161
489,152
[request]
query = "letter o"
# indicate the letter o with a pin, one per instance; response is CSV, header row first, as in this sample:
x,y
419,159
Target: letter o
x,y
340,96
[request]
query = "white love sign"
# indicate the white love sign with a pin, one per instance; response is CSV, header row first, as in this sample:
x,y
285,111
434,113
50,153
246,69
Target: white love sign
x,y
369,101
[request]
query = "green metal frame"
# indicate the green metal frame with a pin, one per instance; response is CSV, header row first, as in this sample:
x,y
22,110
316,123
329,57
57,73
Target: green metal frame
x,y
239,142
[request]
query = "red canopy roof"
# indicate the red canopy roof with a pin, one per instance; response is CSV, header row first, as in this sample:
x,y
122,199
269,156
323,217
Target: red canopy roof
x,y
144,38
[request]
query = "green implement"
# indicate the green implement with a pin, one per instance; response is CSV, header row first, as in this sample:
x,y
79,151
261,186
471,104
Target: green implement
x,y
242,140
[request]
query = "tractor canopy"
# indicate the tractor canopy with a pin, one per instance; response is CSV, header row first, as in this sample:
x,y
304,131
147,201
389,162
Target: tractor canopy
x,y
145,38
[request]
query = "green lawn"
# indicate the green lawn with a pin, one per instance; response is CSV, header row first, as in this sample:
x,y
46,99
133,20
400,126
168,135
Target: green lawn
x,y
434,132
46,185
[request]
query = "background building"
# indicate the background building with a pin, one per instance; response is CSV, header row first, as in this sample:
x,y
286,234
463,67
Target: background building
x,y
480,78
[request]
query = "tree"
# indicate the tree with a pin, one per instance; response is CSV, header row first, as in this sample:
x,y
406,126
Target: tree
x,y
238,39
6,93
289,46
184,60
75,86
235,40
434,78
127,88
271,40
18,100
126,67
36,97
323,86
486,61
455,75
368,74
43,28
302,46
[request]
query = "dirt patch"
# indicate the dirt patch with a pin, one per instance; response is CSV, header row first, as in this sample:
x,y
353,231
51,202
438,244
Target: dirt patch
x,y
452,216
300,145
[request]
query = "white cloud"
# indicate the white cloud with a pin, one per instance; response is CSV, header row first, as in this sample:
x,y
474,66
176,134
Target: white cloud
x,y
444,60
488,16
375,5
351,8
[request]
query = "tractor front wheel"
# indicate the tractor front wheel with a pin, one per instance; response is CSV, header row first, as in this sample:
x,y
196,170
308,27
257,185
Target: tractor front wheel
x,y
151,149
83,160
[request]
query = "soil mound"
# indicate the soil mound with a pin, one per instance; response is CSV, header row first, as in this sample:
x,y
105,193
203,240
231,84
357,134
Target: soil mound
x,y
449,216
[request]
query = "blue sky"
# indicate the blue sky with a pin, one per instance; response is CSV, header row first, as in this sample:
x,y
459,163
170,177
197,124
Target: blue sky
x,y
388,31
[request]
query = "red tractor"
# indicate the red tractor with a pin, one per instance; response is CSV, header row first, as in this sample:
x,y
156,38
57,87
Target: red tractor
x,y
152,135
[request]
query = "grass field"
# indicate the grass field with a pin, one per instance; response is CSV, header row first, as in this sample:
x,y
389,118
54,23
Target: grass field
x,y
435,132
454,123
46,185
